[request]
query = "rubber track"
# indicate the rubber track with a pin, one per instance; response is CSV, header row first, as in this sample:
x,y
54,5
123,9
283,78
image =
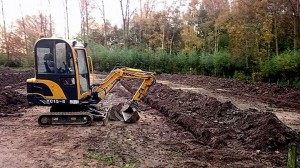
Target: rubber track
x,y
64,114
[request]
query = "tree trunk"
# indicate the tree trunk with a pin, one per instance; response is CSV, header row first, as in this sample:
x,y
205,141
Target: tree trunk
x,y
87,21
125,18
276,33
104,22
5,33
24,29
163,38
67,19
127,23
296,26
82,14
171,44
140,25
50,19
124,24
216,40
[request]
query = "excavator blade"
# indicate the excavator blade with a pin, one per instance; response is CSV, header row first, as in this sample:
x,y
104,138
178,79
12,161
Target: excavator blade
x,y
124,112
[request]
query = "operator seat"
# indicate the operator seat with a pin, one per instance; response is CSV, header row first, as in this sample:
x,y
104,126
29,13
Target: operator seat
x,y
49,62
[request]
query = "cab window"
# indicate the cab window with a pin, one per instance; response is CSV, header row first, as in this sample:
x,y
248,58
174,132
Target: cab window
x,y
54,57
44,57
83,71
64,62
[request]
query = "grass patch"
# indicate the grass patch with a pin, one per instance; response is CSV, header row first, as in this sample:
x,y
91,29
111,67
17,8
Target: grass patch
x,y
113,161
22,69
107,160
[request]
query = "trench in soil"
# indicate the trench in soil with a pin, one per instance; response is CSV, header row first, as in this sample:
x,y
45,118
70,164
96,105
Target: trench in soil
x,y
177,127
289,117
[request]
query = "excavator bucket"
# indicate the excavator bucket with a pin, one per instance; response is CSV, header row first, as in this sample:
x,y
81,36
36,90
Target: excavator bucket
x,y
124,112
130,113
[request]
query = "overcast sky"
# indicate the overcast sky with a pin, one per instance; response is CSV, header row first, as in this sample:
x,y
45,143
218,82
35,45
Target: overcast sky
x,y
12,12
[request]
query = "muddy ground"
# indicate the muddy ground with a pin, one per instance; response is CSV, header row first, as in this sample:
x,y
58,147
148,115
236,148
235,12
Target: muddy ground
x,y
186,121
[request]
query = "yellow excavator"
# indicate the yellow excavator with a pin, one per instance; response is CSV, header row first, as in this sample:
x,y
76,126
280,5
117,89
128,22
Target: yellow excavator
x,y
62,80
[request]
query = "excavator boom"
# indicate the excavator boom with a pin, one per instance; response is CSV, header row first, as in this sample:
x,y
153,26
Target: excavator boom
x,y
129,111
122,73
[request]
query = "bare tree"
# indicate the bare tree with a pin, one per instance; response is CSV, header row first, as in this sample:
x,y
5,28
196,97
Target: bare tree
x,y
87,20
67,28
104,22
141,26
296,24
125,19
44,23
4,31
50,19
296,12
102,11
24,28
84,12
82,32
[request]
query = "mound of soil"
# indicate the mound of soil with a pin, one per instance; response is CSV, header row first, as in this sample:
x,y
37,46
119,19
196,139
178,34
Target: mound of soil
x,y
13,78
278,96
12,101
219,124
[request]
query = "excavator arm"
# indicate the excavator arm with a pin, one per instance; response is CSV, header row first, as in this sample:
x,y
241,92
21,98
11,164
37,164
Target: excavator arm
x,y
121,73
129,112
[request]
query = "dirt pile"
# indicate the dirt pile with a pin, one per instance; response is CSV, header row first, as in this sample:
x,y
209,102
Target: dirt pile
x,y
13,78
11,101
218,124
278,96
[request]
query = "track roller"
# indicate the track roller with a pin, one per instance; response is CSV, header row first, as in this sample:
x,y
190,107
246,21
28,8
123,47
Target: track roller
x,y
65,118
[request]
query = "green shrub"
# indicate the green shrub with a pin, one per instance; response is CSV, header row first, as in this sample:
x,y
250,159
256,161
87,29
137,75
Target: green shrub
x,y
268,68
240,76
296,83
284,66
222,63
257,76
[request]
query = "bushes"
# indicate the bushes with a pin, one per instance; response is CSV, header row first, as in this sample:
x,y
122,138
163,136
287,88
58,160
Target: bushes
x,y
4,61
240,76
284,68
209,64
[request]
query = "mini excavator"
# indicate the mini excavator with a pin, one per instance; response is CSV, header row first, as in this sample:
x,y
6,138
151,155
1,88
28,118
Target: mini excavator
x,y
62,80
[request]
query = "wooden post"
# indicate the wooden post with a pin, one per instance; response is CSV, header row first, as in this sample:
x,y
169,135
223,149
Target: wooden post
x,y
292,155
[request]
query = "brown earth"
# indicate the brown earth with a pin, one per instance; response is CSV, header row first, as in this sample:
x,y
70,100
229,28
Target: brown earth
x,y
189,126
277,96
10,99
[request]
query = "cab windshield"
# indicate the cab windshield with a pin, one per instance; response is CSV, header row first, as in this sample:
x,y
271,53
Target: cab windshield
x,y
54,57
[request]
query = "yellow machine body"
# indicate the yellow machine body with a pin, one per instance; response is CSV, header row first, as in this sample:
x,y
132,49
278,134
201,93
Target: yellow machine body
x,y
63,80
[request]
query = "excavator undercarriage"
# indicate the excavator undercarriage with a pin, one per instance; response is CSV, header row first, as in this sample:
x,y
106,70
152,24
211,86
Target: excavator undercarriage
x,y
70,115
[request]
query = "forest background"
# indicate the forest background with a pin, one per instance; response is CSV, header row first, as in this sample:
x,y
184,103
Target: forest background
x,y
256,40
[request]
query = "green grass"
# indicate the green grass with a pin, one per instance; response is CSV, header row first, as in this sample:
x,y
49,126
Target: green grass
x,y
107,160
112,161
23,68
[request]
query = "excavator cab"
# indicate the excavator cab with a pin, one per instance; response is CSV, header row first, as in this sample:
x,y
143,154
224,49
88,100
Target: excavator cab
x,y
61,73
